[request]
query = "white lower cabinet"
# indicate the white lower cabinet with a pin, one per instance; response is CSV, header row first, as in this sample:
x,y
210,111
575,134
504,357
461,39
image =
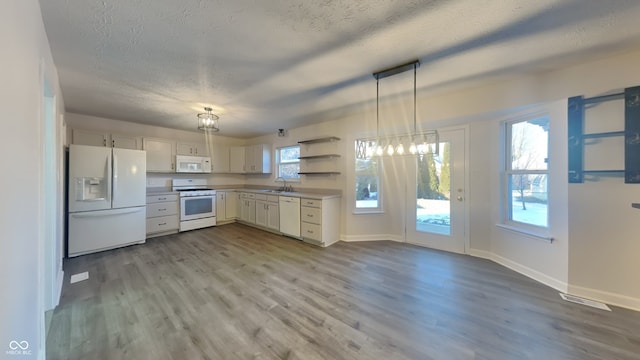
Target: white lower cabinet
x,y
248,207
162,215
268,211
226,206
320,221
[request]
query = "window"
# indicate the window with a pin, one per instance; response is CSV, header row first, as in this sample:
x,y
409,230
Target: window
x,y
367,187
287,162
526,173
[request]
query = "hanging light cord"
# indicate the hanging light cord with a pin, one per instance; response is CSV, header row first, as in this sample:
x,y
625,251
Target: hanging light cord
x,y
414,98
377,112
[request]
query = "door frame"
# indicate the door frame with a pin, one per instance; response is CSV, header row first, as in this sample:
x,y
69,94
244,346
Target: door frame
x,y
411,199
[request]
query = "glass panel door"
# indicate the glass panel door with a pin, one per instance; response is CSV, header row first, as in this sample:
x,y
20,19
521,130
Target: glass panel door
x,y
436,194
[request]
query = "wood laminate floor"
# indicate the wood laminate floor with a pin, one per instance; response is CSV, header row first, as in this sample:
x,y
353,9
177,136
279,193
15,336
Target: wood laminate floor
x,y
233,292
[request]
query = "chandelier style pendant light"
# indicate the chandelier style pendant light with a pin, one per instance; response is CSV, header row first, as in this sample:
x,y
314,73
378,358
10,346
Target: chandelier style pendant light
x,y
415,143
208,121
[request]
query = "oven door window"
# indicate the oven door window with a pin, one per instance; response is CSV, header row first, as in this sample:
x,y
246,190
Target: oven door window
x,y
198,206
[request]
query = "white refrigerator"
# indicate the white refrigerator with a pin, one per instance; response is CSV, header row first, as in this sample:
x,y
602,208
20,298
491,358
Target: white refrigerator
x,y
107,196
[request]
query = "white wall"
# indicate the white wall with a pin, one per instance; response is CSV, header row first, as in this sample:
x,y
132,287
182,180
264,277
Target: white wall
x,y
25,54
543,261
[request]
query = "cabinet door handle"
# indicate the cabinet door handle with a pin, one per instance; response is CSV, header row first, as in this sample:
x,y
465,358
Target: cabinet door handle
x,y
164,223
162,198
162,209
104,142
113,143
309,215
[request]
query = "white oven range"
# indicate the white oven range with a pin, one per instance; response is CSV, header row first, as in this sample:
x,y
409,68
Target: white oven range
x,y
197,203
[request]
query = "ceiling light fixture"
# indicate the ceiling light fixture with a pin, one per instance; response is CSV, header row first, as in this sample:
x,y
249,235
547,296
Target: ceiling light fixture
x,y
208,121
418,143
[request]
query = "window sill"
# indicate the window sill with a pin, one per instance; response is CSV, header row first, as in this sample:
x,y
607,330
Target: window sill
x,y
367,212
533,234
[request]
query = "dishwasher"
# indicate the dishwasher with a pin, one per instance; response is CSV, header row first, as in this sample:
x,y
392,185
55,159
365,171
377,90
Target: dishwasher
x,y
290,216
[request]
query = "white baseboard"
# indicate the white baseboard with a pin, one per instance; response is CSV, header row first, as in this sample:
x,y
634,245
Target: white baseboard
x,y
480,254
372,237
531,273
59,282
605,297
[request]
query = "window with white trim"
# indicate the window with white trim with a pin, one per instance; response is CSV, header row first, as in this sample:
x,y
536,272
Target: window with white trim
x,y
526,173
368,185
288,162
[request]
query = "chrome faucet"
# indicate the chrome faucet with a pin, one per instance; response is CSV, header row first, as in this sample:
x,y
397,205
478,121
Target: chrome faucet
x,y
284,187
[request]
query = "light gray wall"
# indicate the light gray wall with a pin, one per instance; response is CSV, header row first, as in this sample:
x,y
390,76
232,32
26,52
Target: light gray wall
x,y
26,62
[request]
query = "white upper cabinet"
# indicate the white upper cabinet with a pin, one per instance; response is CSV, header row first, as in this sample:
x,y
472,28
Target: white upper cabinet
x,y
220,160
161,154
100,138
237,159
192,149
251,159
126,142
258,159
87,137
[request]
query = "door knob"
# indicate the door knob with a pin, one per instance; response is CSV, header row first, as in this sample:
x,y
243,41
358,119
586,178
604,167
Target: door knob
x,y
460,198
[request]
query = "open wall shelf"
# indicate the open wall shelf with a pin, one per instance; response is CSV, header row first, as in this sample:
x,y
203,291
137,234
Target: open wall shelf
x,y
319,140
319,173
320,162
631,134
324,156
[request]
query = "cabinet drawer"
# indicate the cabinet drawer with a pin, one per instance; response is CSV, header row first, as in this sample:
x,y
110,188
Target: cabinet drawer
x,y
162,209
311,215
311,231
311,203
261,197
248,195
273,198
162,223
160,198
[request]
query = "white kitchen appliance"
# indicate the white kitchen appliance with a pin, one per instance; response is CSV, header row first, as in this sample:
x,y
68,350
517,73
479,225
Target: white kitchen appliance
x,y
193,164
107,189
290,216
197,203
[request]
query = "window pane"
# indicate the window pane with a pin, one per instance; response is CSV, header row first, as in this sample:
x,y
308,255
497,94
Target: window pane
x,y
289,154
288,162
529,140
366,191
367,186
289,171
433,191
367,166
528,198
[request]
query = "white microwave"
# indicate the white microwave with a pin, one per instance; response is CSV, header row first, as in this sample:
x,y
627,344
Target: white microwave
x,y
193,164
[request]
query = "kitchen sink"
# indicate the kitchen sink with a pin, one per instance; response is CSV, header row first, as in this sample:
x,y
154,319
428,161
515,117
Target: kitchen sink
x,y
271,191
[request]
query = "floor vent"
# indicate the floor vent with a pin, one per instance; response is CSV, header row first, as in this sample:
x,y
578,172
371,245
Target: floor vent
x,y
79,277
587,302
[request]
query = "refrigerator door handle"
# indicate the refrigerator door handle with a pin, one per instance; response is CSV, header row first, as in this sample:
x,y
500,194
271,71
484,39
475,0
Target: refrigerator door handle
x,y
91,214
109,179
115,177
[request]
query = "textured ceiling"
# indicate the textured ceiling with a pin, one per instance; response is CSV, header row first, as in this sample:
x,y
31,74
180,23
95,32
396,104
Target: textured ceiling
x,y
269,64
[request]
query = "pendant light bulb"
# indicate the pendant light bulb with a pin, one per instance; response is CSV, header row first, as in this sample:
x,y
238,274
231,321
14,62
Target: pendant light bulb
x,y
413,149
400,149
390,149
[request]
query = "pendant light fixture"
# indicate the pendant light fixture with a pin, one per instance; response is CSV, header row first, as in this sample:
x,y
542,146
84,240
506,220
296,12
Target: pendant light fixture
x,y
417,143
208,121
